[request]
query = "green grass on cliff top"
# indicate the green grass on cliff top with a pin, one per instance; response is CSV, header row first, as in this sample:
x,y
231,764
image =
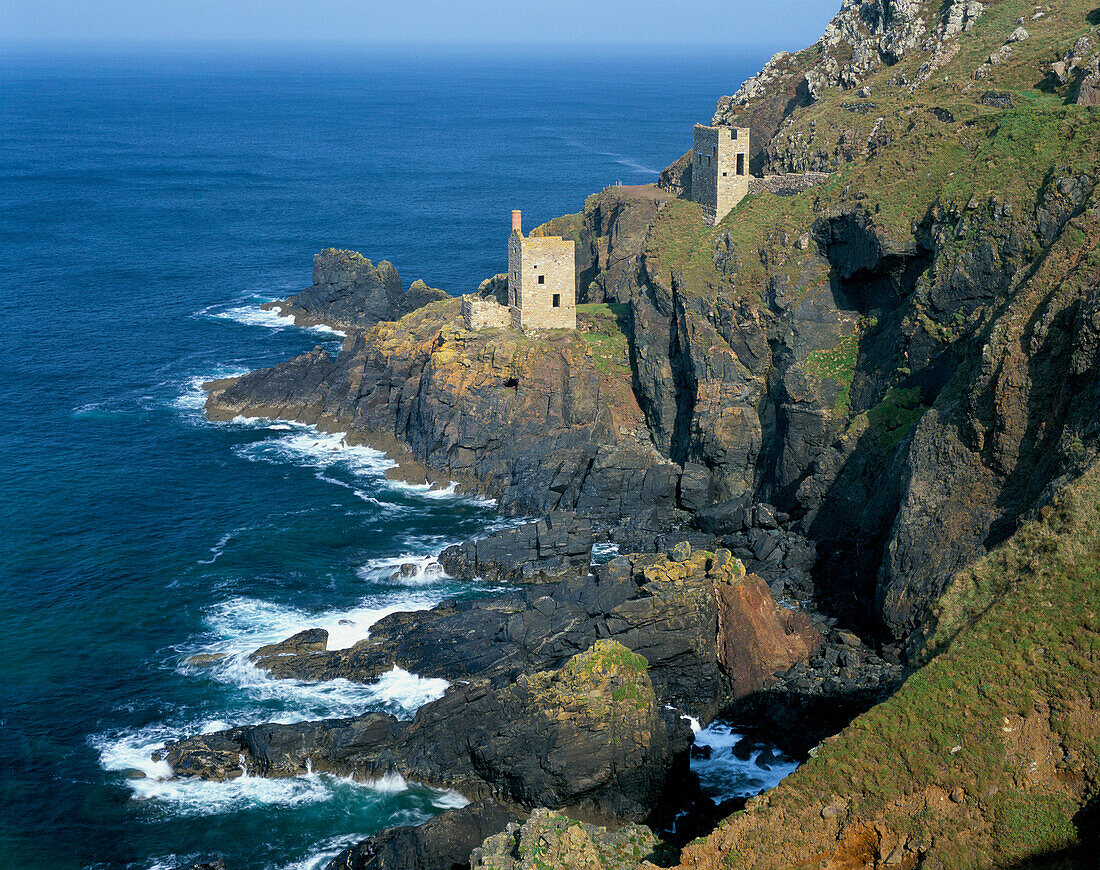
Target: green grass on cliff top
x,y
918,160
1017,640
1008,156
603,328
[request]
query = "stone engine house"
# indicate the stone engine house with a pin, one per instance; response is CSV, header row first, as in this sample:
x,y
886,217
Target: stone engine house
x,y
541,280
541,286
719,169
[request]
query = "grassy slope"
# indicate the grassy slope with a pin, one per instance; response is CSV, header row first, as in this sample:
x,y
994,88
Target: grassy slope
x,y
987,752
915,160
984,756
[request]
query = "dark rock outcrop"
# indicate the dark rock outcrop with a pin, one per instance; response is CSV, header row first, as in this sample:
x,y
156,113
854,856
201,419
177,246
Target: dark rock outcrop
x,y
665,613
709,633
350,292
541,423
590,735
555,548
443,843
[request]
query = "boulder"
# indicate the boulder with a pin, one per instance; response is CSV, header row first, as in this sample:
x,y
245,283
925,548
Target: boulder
x,y
724,518
757,638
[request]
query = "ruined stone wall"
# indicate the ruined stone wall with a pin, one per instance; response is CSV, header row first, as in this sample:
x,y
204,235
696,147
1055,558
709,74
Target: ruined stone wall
x,y
719,169
542,282
485,313
787,185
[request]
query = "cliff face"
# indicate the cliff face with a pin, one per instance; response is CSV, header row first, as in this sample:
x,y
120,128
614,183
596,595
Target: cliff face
x,y
901,358
788,354
542,422
986,756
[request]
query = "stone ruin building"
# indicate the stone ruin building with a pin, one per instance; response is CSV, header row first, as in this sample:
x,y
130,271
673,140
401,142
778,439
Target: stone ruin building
x,y
720,176
719,169
541,286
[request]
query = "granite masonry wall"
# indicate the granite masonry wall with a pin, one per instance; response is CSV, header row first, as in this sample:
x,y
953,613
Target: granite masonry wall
x,y
542,282
719,169
485,313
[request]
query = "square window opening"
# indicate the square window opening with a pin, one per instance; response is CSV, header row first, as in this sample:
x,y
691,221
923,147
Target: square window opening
x,y
542,279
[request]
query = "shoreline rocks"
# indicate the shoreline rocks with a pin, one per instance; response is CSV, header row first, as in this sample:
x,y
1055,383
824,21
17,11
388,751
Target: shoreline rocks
x,y
590,736
350,292
554,548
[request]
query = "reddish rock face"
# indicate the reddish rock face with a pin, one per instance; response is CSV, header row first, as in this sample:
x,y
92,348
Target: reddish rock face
x,y
757,638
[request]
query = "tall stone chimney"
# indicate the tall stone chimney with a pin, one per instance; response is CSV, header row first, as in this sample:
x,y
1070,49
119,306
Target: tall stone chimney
x,y
517,221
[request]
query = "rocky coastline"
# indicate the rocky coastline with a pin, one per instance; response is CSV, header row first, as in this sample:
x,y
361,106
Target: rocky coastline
x,y
809,431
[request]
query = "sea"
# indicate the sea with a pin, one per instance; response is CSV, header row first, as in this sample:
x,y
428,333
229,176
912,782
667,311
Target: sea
x,y
152,201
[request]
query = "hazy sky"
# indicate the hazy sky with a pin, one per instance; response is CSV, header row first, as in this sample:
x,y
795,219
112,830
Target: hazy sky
x,y
728,23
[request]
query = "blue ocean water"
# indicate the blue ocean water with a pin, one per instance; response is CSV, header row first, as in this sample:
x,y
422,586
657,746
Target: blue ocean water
x,y
150,203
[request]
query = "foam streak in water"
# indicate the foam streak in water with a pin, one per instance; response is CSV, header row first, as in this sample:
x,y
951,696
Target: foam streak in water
x,y
254,315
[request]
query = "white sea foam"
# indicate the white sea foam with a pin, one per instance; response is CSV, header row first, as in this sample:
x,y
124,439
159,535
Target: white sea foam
x,y
422,569
320,854
410,690
219,547
132,752
254,315
320,450
448,800
723,775
329,450
435,491
193,397
604,552
247,623
242,625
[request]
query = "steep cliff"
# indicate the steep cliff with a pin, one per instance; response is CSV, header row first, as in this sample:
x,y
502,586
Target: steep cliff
x,y
884,390
986,757
901,358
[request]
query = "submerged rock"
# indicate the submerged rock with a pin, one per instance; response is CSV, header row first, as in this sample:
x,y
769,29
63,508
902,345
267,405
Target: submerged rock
x,y
205,660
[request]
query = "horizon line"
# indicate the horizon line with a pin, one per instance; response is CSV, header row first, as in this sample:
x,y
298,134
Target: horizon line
x,y
397,44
